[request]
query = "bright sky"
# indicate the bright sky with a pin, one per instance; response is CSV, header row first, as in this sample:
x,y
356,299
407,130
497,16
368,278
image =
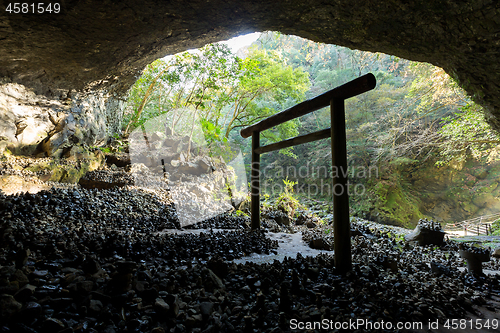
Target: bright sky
x,y
234,44
237,43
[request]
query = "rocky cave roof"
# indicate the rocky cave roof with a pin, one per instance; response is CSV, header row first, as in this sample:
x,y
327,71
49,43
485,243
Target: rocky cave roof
x,y
105,44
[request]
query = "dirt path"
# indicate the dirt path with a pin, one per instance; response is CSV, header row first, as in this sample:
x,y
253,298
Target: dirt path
x,y
289,246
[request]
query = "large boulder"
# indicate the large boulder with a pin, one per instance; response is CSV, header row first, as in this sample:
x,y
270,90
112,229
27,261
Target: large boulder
x,y
496,253
280,218
474,256
427,233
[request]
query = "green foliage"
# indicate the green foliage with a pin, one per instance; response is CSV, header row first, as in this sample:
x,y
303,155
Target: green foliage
x,y
240,213
224,91
118,144
417,113
466,133
286,201
395,127
106,150
495,227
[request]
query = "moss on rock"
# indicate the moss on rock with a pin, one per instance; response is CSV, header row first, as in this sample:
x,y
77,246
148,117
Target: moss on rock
x,y
394,206
64,170
451,193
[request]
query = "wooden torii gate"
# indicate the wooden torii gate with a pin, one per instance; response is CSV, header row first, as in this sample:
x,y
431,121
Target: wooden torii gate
x,y
335,98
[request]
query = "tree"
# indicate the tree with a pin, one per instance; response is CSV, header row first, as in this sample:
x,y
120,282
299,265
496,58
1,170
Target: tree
x,y
266,86
201,80
148,91
465,133
224,91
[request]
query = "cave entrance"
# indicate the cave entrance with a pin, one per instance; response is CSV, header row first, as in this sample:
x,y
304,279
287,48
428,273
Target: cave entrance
x,y
411,122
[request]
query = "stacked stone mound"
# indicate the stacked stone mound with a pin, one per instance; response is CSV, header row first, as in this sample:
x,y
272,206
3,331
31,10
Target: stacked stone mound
x,y
427,233
475,249
121,209
474,256
322,236
104,179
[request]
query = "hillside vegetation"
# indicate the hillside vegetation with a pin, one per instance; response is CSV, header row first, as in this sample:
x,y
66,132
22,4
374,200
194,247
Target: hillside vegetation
x,y
417,145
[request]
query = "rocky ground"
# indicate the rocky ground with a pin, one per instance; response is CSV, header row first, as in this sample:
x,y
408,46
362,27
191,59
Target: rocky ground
x,y
114,260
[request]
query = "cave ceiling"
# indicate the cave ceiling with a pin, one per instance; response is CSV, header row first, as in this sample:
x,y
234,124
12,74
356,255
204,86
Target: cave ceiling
x,y
106,44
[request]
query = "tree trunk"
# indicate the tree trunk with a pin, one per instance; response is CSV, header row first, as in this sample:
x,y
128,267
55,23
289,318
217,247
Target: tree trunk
x,y
145,99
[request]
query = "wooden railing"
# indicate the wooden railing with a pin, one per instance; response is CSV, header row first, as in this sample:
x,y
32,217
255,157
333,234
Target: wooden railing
x,y
478,229
335,99
479,225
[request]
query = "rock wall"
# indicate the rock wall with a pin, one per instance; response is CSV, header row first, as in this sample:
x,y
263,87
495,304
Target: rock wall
x,y
459,192
32,124
452,193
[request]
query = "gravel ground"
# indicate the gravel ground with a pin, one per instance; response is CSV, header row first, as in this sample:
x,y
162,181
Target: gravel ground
x,y
114,260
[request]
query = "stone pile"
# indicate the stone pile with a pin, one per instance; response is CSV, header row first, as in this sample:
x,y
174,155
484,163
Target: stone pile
x,y
98,292
223,221
474,256
78,260
106,179
321,237
427,233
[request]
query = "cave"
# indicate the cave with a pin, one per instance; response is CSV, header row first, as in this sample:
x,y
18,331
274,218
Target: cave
x,y
90,52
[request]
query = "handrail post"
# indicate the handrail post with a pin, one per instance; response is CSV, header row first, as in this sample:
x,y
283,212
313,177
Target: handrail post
x,y
341,224
255,182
